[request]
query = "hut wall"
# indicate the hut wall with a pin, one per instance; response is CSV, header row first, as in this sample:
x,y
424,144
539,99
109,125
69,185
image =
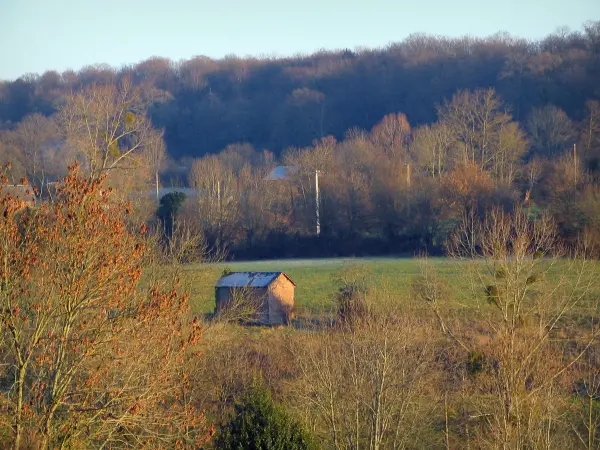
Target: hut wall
x,y
224,295
281,300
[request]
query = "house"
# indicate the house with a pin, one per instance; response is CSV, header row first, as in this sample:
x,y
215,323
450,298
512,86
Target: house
x,y
20,192
273,290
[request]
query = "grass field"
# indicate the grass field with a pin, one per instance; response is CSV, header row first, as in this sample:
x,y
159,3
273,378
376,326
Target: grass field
x,y
317,279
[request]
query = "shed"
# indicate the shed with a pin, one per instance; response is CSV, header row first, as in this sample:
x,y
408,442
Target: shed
x,y
274,292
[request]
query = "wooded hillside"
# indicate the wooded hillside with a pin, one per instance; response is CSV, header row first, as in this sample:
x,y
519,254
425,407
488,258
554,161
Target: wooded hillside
x,y
275,103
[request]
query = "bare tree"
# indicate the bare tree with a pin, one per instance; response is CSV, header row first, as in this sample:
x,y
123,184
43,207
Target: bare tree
x,y
392,133
585,423
107,125
532,174
434,147
551,130
243,306
511,147
38,138
366,385
156,154
591,129
218,196
530,284
482,128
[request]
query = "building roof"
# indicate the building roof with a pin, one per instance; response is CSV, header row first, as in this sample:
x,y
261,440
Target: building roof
x,y
250,279
18,192
282,173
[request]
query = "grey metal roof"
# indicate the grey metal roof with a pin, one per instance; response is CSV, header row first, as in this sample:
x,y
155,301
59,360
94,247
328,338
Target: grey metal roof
x,y
282,173
249,279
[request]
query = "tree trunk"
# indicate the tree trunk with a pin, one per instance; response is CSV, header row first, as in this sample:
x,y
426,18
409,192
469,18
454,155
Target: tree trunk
x,y
18,416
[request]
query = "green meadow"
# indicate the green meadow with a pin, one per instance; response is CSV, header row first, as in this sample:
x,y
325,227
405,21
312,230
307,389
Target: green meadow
x,y
318,280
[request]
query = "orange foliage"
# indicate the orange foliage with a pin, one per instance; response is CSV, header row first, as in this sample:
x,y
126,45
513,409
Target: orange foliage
x,y
96,358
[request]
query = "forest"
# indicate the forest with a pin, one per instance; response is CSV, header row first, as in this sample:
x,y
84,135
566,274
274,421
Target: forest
x,y
276,103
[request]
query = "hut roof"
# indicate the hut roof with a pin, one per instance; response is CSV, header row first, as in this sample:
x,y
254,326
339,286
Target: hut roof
x,y
250,279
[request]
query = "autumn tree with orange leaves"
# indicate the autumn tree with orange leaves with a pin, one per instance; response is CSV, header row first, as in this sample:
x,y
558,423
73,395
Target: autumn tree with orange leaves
x,y
90,356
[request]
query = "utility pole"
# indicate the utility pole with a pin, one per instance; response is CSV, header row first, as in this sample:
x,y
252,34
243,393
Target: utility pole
x,y
317,202
575,161
220,211
157,194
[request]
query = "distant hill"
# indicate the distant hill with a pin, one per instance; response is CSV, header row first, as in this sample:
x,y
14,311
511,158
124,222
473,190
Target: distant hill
x,y
278,103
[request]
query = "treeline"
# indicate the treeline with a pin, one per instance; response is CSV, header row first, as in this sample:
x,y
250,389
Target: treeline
x,y
276,103
397,189
392,189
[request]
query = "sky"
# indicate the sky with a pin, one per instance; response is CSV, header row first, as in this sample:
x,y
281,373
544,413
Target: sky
x,y
40,35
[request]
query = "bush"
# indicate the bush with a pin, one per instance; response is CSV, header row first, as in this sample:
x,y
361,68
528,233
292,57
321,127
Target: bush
x,y
260,424
475,362
429,287
351,303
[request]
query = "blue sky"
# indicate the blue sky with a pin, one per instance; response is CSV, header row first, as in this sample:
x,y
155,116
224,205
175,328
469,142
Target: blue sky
x,y
37,35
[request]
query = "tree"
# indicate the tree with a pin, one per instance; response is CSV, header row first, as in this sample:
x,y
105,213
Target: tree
x,y
511,147
466,188
170,204
92,358
551,130
283,102
38,138
433,148
585,422
156,154
359,386
482,129
530,284
193,72
392,133
260,424
347,185
366,385
107,125
10,154
219,203
264,205
591,132
300,118
156,72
